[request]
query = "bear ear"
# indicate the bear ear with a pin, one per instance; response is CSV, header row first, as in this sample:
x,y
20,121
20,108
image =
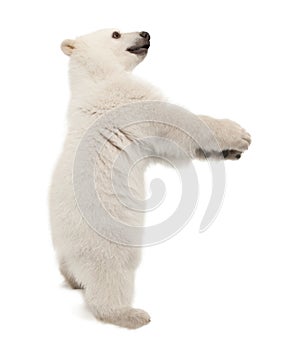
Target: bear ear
x,y
68,46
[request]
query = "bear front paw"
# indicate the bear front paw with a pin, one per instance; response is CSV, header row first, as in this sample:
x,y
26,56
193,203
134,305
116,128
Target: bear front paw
x,y
233,139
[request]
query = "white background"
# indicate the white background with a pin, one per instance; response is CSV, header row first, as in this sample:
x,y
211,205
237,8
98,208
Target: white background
x,y
237,283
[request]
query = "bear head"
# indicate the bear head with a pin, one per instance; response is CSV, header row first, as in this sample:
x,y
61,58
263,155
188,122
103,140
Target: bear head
x,y
107,51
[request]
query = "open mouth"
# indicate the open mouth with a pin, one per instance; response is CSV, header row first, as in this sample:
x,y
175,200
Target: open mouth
x,y
139,50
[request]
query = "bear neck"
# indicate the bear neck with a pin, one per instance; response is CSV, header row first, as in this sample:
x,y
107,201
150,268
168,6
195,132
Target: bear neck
x,y
83,82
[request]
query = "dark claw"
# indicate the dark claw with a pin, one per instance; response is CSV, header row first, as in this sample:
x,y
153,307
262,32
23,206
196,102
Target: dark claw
x,y
225,153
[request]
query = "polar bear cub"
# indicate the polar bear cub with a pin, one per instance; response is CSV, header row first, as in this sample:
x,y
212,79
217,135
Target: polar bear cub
x,y
101,80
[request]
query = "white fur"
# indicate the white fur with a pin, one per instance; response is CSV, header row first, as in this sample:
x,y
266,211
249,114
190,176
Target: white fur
x,y
101,80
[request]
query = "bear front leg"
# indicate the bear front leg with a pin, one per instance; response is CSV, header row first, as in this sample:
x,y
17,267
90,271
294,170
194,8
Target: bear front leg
x,y
231,137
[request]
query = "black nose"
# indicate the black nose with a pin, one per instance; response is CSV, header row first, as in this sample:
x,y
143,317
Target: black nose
x,y
145,34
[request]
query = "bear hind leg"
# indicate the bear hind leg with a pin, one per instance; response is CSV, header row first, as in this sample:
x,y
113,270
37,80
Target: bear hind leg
x,y
69,277
108,294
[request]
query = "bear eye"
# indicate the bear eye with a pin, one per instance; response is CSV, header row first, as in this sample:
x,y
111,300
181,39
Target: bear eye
x,y
116,35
